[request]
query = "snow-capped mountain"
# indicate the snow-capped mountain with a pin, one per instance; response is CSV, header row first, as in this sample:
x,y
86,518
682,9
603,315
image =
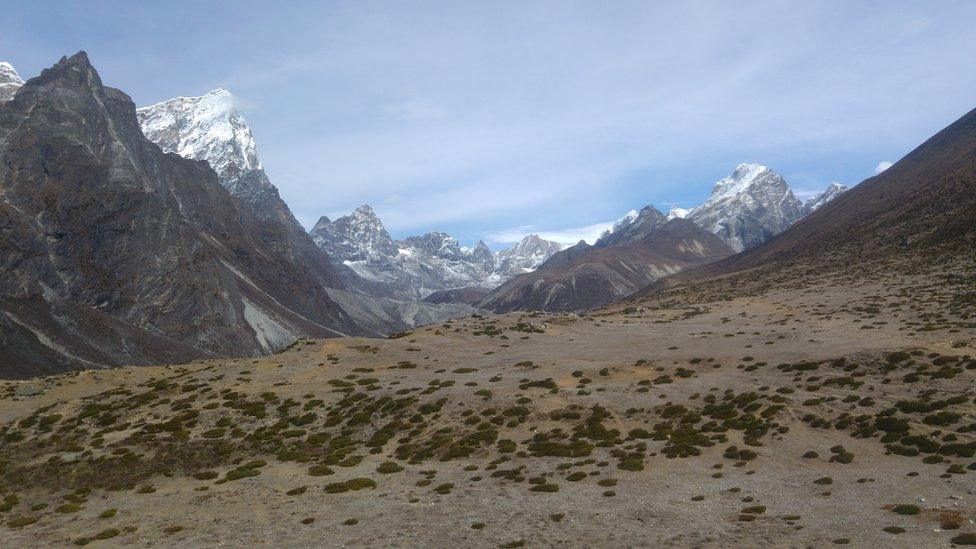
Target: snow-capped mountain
x,y
526,256
833,190
631,227
203,128
10,81
417,266
748,207
583,277
355,237
210,128
677,212
619,224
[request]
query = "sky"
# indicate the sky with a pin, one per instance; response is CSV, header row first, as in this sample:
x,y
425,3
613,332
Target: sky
x,y
492,120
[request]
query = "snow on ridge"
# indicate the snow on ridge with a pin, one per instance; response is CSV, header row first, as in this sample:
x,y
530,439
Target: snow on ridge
x,y
742,178
10,81
417,265
206,127
677,212
9,74
624,221
832,191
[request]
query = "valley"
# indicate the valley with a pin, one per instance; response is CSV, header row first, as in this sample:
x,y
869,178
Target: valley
x,y
838,410
768,364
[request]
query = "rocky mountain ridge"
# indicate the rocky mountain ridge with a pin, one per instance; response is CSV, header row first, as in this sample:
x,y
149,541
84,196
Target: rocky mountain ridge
x,y
417,266
915,215
745,209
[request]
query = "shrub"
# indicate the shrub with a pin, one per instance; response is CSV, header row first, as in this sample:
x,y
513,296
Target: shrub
x,y
388,467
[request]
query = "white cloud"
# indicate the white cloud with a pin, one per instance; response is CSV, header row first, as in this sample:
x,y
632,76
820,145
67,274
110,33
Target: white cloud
x,y
478,119
882,166
570,236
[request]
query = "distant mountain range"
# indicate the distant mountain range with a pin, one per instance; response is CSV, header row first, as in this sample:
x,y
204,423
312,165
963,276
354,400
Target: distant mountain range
x,y
366,258
924,206
417,266
746,209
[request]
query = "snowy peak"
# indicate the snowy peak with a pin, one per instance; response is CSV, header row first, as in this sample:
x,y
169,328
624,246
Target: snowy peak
x,y
632,227
435,243
624,221
365,209
358,236
207,127
748,207
531,244
742,179
832,191
526,255
10,81
676,212
483,256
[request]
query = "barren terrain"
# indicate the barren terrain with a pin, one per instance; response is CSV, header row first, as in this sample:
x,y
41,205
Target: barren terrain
x,y
834,410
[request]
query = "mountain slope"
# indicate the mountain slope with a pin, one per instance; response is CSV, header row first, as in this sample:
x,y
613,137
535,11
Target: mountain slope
x,y
583,277
919,208
97,221
748,207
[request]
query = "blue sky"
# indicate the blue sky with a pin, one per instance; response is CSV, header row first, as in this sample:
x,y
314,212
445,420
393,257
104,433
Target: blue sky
x,y
494,119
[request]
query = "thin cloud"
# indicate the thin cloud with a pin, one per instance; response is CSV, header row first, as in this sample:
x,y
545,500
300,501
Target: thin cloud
x,y
588,233
415,109
882,166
